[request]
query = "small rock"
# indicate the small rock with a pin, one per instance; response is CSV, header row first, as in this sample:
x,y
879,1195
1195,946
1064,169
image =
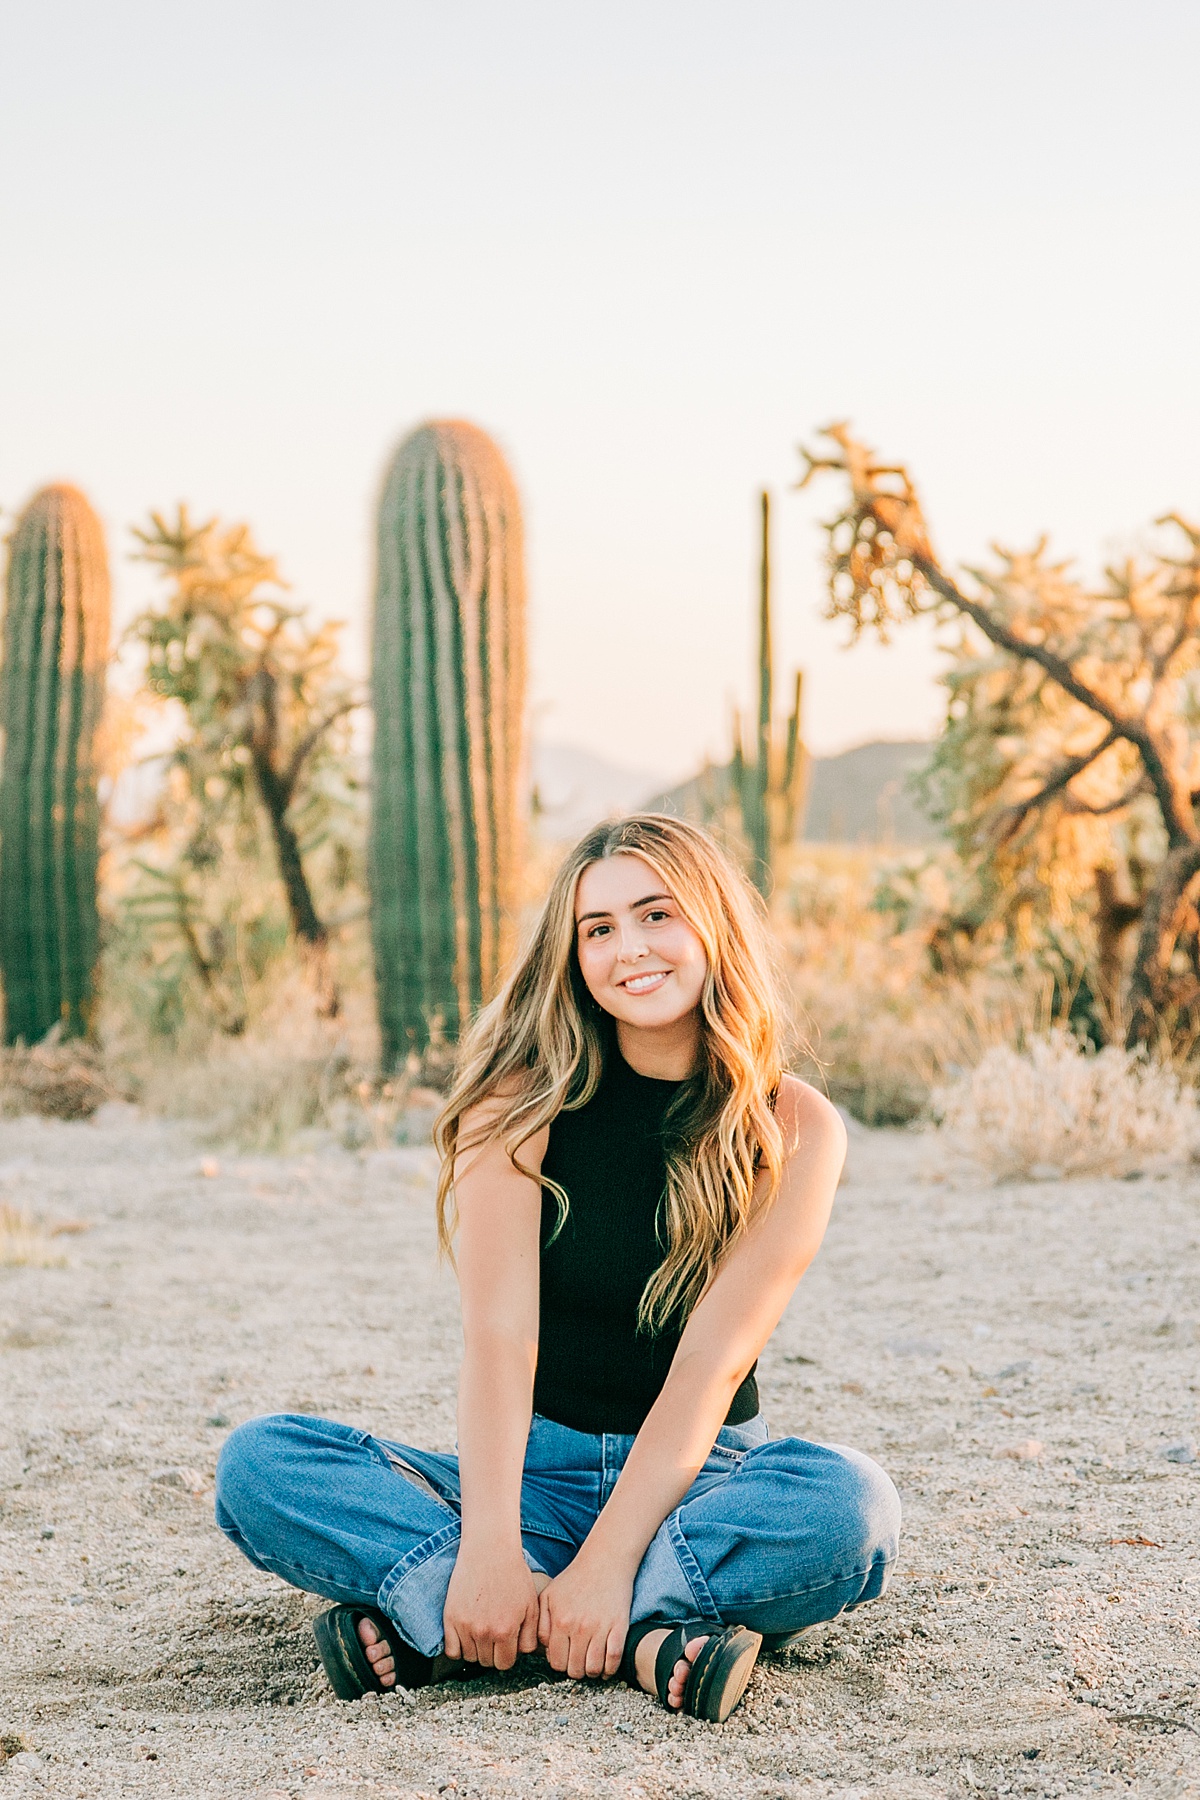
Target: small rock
x,y
1183,1452
1027,1451
47,1531
25,1762
218,1421
189,1481
561,1719
12,1744
210,1168
1013,1368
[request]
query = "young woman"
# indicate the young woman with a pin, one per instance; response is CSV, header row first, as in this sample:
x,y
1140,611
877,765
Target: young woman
x,y
637,1187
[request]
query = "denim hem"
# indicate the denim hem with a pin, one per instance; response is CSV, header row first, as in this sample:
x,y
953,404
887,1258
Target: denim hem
x,y
413,1592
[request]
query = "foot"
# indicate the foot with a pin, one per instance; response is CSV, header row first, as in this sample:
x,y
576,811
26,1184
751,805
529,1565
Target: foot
x,y
378,1652
646,1654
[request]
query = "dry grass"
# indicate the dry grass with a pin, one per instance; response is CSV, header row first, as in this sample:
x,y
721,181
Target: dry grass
x,y
882,1031
1055,1109
26,1244
293,1080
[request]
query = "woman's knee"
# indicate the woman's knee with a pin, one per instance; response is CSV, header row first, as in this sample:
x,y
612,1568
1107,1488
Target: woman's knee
x,y
854,1499
262,1460
863,1509
250,1461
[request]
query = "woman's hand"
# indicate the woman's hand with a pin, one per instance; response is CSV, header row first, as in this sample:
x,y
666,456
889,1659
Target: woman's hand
x,y
491,1612
584,1618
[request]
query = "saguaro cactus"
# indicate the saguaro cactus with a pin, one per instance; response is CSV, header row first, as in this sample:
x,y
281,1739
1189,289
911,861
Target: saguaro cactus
x,y
448,688
769,785
55,653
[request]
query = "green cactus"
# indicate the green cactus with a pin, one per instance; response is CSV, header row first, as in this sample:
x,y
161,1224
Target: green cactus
x,y
769,785
448,689
56,625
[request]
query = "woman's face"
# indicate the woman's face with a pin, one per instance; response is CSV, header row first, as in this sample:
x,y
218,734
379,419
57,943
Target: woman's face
x,y
641,960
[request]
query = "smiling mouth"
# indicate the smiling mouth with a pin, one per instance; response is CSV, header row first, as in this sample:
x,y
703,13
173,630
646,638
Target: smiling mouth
x,y
645,984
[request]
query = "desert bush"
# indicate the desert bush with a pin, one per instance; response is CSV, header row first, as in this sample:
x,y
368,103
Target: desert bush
x,y
262,767
293,1078
882,1030
1058,1108
59,1079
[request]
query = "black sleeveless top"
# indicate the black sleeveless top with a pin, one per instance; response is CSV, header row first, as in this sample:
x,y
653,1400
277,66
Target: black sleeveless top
x,y
595,1370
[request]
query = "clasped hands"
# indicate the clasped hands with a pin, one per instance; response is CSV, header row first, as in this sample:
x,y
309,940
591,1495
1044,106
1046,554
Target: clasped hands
x,y
494,1614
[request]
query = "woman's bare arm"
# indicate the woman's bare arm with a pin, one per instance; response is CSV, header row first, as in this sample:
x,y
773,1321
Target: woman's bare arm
x,y
491,1606
720,1342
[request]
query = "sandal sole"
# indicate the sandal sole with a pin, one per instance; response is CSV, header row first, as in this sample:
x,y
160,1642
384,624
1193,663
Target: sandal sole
x,y
722,1675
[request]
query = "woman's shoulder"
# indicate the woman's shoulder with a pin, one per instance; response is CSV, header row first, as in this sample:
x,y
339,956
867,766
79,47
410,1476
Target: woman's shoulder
x,y
806,1117
489,1114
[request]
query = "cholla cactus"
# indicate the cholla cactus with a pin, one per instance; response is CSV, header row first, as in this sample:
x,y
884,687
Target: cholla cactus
x,y
56,626
448,687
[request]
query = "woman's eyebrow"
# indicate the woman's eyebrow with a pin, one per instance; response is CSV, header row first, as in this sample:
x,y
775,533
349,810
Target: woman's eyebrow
x,y
633,906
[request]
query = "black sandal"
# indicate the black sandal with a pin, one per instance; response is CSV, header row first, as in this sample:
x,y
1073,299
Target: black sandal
x,y
350,1671
719,1675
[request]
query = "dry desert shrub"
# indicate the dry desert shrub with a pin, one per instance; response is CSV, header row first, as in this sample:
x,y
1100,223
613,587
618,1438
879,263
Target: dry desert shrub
x,y
58,1078
293,1077
882,1031
26,1244
1058,1109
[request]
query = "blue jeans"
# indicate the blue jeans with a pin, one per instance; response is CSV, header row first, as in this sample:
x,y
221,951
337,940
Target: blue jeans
x,y
774,1533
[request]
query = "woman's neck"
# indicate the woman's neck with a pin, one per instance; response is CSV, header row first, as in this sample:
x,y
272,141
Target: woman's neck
x,y
668,1053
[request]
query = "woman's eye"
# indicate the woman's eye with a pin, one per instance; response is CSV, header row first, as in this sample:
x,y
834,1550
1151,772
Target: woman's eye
x,y
655,915
596,930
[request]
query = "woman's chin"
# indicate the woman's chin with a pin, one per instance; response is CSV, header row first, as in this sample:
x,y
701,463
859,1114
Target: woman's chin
x,y
643,1015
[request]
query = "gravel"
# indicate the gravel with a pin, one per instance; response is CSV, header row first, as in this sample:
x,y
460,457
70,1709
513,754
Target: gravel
x,y
1023,1359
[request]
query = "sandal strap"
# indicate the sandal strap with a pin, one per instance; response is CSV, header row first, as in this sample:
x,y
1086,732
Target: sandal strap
x,y
633,1638
669,1652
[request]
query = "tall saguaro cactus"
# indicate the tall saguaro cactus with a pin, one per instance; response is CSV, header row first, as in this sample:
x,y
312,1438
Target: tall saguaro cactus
x,y
448,688
770,784
55,653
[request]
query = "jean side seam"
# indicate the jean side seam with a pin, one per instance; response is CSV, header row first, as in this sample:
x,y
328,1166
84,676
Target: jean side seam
x,y
692,1572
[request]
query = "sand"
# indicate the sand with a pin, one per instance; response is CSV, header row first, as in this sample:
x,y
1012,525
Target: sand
x,y
1020,1358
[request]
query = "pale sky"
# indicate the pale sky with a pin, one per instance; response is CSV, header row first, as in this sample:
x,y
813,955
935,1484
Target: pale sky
x,y
248,244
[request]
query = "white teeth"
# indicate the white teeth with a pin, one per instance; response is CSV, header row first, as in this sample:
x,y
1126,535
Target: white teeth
x,y
640,983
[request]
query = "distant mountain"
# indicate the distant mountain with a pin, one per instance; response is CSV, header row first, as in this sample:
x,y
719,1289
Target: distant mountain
x,y
575,790
863,796
859,797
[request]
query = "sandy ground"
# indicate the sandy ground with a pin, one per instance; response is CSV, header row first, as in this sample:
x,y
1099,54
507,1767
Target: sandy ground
x,y
1019,1357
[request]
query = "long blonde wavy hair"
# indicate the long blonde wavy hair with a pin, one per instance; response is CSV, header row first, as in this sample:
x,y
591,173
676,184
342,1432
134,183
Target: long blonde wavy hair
x,y
539,1049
